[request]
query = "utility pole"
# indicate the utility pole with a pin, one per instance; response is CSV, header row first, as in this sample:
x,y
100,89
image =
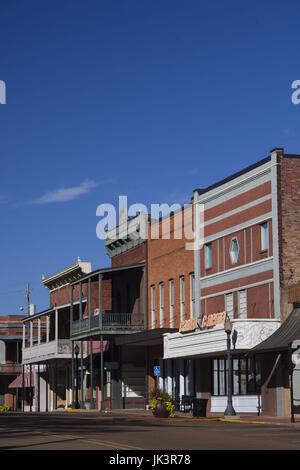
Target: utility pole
x,y
27,299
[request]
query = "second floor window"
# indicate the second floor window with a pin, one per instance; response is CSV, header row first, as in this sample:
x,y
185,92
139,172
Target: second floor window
x,y
242,303
171,303
208,255
161,304
234,250
264,236
182,299
229,305
152,307
192,294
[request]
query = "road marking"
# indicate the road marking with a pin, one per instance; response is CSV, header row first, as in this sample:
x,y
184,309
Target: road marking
x,y
112,444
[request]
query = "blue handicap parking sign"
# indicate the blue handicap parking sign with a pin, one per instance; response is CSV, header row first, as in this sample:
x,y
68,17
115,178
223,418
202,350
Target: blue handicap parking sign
x,y
156,371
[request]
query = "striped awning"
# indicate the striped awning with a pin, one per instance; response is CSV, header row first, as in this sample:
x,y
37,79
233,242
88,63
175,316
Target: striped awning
x,y
18,381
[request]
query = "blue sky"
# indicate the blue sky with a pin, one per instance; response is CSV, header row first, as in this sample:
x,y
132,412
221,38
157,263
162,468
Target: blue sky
x,y
138,98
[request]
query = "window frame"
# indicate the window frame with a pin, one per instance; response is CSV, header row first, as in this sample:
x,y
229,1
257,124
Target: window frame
x,y
235,260
264,236
153,301
208,255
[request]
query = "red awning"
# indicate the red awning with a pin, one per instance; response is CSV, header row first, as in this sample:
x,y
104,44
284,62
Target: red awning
x,y
18,382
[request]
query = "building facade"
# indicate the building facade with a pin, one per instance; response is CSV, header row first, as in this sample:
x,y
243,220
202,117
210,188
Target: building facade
x,y
162,303
10,359
242,267
46,346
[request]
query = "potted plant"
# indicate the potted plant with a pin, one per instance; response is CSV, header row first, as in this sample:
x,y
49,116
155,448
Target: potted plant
x,y
161,405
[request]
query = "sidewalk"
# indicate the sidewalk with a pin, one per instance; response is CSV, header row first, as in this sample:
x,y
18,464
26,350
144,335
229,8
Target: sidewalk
x,y
188,416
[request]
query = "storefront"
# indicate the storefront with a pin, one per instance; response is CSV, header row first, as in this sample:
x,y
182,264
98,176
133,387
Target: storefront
x,y
194,363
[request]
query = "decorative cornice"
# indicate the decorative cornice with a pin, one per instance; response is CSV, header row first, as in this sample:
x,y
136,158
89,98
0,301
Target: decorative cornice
x,y
67,275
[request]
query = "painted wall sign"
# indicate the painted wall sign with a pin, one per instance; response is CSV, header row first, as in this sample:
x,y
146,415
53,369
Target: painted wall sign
x,y
212,319
188,325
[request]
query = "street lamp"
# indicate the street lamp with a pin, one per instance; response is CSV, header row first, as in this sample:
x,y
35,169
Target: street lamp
x,y
228,329
76,351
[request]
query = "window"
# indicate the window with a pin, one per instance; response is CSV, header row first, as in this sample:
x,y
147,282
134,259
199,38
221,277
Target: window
x,y
182,298
246,376
152,307
234,250
242,303
171,284
192,294
229,305
161,304
208,256
264,236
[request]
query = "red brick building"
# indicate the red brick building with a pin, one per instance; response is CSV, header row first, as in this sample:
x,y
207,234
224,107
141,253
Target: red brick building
x,y
11,329
243,267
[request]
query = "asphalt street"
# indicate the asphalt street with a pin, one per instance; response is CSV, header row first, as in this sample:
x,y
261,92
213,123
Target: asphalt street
x,y
74,431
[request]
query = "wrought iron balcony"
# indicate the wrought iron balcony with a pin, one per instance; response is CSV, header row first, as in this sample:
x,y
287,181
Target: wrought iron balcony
x,y
110,323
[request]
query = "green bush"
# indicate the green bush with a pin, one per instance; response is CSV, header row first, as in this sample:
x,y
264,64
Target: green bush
x,y
5,408
162,396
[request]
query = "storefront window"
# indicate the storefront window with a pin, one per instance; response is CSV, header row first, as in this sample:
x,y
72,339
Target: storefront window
x,y
246,376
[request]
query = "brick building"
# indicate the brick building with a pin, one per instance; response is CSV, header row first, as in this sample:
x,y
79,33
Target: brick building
x,y
163,301
47,348
10,359
243,267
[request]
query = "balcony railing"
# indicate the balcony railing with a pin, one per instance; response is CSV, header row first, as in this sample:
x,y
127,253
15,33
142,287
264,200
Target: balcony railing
x,y
10,369
51,349
110,321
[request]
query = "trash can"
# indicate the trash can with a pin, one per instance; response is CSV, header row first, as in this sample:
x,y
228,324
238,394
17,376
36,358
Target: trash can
x,y
199,407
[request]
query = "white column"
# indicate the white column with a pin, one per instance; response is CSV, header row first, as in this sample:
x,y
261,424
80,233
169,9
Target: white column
x,y
47,328
56,325
181,378
169,380
39,331
31,333
24,331
160,378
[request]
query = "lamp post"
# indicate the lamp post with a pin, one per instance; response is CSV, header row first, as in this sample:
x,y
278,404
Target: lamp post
x,y
228,329
76,351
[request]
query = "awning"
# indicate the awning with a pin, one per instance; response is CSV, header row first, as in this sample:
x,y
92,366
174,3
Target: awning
x,y
145,338
18,382
283,336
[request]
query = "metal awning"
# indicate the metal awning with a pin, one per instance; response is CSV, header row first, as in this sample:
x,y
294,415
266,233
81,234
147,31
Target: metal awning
x,y
283,336
18,382
145,338
110,270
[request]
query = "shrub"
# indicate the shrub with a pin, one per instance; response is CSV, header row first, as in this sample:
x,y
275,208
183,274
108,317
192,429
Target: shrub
x,y
5,408
162,396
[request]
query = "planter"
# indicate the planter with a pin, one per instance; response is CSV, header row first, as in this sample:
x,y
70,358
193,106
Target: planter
x,y
160,410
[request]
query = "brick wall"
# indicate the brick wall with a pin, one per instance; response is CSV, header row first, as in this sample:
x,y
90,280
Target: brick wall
x,y
289,226
169,259
132,256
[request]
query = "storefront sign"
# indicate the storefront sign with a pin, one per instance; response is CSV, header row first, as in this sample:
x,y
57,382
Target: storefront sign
x,y
213,319
188,325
